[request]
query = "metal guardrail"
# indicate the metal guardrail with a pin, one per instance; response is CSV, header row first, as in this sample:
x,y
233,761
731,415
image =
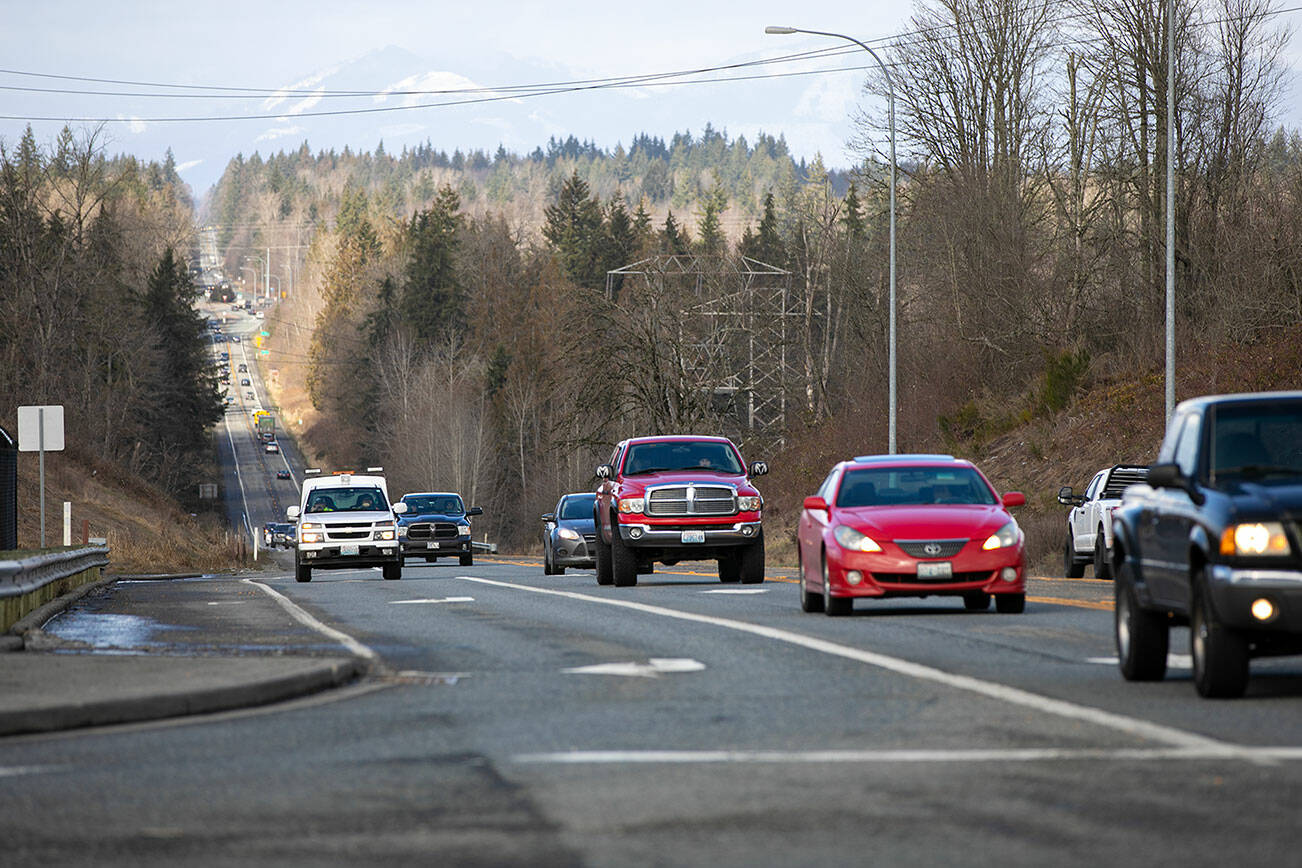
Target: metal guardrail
x,y
20,577
489,547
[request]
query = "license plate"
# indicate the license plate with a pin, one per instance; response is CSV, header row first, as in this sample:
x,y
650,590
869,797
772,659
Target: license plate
x,y
935,570
348,550
693,536
433,545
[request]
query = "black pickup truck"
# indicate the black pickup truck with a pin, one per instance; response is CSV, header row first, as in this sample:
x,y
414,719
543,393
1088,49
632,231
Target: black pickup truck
x,y
1214,540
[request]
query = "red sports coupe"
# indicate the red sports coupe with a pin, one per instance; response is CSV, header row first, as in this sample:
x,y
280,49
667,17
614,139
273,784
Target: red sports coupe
x,y
910,526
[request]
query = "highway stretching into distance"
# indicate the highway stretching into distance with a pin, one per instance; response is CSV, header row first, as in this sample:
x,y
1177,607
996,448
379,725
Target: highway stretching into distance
x,y
513,717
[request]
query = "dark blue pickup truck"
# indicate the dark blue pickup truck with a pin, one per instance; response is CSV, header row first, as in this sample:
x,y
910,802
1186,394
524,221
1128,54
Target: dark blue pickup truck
x,y
1214,540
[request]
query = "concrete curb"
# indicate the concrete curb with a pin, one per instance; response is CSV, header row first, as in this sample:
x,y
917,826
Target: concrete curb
x,y
312,678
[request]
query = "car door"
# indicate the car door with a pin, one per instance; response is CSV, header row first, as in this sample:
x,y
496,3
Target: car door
x,y
1082,520
605,497
809,533
1175,513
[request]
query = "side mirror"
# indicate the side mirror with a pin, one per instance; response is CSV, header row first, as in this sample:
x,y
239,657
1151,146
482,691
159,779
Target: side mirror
x,y
759,468
549,517
292,513
475,510
815,502
399,508
1065,496
1169,476
605,471
1014,498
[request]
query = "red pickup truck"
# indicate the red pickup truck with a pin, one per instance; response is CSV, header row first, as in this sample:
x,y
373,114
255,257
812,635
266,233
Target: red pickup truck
x,y
678,498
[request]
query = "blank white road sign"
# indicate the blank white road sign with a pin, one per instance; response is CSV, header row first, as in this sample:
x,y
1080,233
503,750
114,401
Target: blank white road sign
x,y
30,428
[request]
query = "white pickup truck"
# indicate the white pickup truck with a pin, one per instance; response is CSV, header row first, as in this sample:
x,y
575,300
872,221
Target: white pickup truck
x,y
1089,524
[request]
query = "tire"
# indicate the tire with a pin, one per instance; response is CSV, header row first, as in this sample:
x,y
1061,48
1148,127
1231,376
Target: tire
x,y
1220,655
976,601
605,574
729,569
1102,566
809,601
558,571
751,561
1143,638
392,572
1010,604
623,562
302,573
835,607
1071,568
547,560
468,560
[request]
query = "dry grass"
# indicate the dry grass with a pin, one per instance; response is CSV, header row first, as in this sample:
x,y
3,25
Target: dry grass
x,y
146,531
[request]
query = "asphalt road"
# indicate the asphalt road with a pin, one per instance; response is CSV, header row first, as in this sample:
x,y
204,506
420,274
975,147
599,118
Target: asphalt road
x,y
519,718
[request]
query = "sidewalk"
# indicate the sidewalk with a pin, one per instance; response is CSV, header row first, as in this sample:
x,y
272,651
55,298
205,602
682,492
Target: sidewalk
x,y
159,648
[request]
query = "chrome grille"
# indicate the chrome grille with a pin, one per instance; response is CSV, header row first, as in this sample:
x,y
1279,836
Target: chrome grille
x,y
931,548
691,500
346,534
425,530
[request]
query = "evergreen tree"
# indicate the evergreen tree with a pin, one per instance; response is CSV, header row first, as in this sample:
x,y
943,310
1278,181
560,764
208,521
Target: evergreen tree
x,y
574,228
433,300
673,238
712,241
853,219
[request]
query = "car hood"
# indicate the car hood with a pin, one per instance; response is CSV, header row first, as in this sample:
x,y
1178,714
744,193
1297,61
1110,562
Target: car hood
x,y
454,518
347,517
644,481
580,525
948,521
1265,499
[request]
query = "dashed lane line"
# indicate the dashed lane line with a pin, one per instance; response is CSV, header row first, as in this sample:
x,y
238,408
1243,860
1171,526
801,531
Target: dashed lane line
x,y
1156,732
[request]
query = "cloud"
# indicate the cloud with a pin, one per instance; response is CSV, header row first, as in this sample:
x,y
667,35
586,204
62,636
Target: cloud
x,y
134,123
279,133
188,164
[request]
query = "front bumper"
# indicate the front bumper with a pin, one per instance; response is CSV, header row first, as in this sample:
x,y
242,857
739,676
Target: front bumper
x,y
1234,590
574,553
884,574
639,535
336,556
439,547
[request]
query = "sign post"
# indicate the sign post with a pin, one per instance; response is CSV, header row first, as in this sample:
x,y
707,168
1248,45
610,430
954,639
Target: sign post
x,y
40,429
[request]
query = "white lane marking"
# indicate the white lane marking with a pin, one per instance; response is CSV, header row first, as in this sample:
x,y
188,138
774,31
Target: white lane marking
x,y
307,620
226,602
581,757
653,668
1173,661
17,771
993,690
439,600
737,591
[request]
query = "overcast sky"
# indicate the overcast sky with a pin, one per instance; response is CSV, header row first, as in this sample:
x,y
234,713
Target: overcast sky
x,y
435,45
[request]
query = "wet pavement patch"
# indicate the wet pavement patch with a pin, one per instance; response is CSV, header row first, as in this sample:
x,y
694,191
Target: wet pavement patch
x,y
107,632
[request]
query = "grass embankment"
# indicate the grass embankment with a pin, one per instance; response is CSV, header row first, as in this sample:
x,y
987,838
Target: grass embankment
x,y
147,531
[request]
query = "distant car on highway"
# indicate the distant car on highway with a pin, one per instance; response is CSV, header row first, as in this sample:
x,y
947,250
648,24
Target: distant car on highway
x,y
244,381
235,338
910,526
570,534
283,474
273,447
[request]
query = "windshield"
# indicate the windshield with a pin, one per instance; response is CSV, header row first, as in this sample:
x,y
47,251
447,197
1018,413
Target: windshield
x,y
1259,440
913,486
443,504
577,506
347,500
682,455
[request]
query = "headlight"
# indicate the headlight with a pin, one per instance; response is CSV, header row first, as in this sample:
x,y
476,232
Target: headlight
x,y
750,504
463,528
1256,539
851,539
402,530
312,537
631,504
1008,535
566,533
384,531
311,525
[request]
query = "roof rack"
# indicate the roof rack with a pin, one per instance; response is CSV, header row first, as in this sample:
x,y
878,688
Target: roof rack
x,y
917,456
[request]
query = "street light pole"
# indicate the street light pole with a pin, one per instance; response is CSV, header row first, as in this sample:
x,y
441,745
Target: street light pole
x,y
1170,209
890,86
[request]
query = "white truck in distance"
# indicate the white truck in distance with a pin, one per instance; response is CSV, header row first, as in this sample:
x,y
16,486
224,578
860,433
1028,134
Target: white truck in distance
x,y
1089,524
346,522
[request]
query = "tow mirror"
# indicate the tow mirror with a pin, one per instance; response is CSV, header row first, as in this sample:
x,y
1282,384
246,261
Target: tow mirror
x,y
399,508
475,510
292,513
815,502
759,468
1014,498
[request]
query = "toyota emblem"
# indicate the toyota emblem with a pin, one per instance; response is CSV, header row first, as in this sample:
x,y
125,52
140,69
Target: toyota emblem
x,y
932,549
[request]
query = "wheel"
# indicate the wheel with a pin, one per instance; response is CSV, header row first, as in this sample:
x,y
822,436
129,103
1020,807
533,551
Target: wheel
x,y
623,563
976,601
833,606
1220,655
751,561
605,573
547,560
729,569
1143,638
809,601
1102,566
392,572
468,559
1071,568
302,572
1010,604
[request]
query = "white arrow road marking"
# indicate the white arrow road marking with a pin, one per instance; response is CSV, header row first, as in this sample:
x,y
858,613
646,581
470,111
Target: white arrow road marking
x,y
431,600
1173,661
737,591
653,668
